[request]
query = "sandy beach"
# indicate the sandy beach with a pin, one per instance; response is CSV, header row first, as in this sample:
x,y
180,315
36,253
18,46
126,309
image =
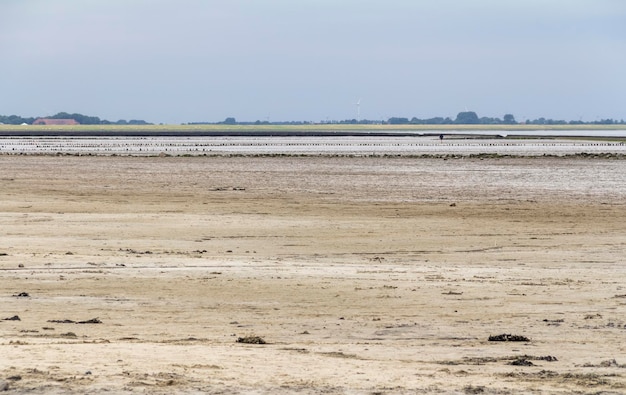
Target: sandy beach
x,y
362,275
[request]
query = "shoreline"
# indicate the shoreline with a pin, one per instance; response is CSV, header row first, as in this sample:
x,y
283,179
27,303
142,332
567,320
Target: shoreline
x,y
313,146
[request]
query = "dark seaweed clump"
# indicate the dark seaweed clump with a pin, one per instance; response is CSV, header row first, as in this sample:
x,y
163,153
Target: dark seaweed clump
x,y
508,338
251,340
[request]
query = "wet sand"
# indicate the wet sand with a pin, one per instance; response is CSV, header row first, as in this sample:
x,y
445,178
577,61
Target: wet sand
x,y
362,275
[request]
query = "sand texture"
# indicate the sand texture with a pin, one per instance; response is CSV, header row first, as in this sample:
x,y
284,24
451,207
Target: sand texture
x,y
361,275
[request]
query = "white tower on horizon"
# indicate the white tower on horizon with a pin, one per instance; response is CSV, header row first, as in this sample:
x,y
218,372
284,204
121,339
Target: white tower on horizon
x,y
358,110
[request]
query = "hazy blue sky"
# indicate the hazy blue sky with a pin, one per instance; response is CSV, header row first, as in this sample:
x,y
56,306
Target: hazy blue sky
x,y
204,60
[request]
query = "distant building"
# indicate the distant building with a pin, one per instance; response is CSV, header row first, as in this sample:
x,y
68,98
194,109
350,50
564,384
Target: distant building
x,y
51,121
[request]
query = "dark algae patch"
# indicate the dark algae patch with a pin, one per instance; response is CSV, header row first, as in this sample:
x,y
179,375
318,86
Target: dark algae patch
x,y
508,338
251,340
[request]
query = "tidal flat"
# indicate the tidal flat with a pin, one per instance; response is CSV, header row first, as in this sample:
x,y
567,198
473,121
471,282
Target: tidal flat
x,y
366,274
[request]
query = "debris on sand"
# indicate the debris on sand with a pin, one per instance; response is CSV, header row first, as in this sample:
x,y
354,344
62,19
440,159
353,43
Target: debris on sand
x,y
505,337
136,252
14,318
470,389
21,295
556,322
221,189
548,358
521,362
251,340
509,359
609,363
91,321
66,321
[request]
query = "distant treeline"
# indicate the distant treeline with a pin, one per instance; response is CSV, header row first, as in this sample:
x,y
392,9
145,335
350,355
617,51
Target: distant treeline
x,y
80,118
462,118
471,118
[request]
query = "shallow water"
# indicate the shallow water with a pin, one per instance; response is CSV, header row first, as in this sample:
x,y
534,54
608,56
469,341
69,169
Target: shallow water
x,y
348,145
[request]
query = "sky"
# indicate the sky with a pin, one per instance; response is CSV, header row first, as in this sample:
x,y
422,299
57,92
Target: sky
x,y
178,61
